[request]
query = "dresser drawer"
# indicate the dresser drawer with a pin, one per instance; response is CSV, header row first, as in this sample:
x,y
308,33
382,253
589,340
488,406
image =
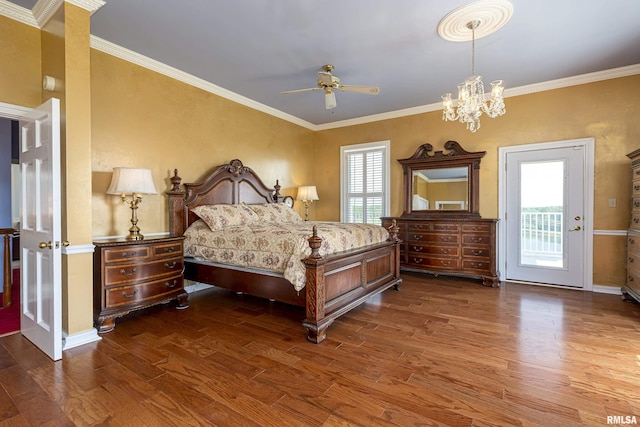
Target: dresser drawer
x,y
440,263
635,188
477,265
433,238
451,227
120,274
475,239
131,294
633,243
635,220
418,249
477,251
635,204
476,228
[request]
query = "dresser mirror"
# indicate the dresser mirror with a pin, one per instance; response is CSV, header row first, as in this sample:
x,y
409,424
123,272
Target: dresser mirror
x,y
439,184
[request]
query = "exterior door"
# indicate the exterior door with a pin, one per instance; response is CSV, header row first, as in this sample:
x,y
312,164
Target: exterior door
x,y
40,260
547,220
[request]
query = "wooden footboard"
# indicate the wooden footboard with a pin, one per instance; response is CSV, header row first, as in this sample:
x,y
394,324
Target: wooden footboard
x,y
341,282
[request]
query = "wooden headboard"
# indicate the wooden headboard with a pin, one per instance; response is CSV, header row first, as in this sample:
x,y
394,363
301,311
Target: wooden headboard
x,y
232,183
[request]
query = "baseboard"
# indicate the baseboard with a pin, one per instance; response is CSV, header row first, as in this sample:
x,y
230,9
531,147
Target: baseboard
x,y
613,290
75,340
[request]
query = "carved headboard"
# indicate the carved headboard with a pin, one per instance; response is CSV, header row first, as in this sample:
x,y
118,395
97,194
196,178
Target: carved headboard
x,y
231,183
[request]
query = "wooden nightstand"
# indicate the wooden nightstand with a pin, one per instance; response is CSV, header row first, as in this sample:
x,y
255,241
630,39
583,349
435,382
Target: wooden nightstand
x,y
130,275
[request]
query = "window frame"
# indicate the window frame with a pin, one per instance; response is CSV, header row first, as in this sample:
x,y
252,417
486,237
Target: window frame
x,y
345,151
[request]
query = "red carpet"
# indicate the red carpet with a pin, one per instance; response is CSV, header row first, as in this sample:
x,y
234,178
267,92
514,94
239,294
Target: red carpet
x,y
10,317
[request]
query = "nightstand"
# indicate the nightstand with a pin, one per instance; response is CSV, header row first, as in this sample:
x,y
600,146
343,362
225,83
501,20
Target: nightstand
x,y
130,275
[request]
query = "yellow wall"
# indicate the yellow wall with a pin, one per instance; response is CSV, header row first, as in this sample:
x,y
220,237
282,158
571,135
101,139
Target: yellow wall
x,y
604,110
20,78
144,119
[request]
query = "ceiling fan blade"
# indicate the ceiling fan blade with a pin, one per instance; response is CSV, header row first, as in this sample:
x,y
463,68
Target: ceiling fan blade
x,y
369,90
325,78
300,90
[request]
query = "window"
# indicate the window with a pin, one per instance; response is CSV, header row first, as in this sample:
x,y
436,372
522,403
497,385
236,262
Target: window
x,y
364,180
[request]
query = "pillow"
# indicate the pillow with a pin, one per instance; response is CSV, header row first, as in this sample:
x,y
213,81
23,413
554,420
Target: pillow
x,y
220,216
275,212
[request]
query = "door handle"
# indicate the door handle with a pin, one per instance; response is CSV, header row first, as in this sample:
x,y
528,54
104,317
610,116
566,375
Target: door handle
x,y
43,245
576,228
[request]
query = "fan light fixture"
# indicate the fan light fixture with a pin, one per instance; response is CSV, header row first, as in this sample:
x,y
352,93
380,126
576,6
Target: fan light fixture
x,y
329,99
489,16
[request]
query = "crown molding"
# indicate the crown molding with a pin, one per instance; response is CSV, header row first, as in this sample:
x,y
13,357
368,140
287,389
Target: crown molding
x,y
44,9
153,65
613,73
17,13
25,16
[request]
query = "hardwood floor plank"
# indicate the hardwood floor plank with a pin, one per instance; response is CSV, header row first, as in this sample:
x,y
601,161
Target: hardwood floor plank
x,y
440,352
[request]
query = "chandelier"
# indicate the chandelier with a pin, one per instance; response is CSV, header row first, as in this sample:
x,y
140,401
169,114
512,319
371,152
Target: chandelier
x,y
471,98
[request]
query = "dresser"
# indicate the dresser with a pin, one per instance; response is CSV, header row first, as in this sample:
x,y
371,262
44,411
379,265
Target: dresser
x,y
130,275
631,289
464,248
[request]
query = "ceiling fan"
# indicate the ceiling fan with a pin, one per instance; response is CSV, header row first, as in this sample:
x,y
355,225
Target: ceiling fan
x,y
330,83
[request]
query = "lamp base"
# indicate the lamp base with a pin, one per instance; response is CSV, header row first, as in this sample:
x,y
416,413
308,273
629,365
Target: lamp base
x,y
134,236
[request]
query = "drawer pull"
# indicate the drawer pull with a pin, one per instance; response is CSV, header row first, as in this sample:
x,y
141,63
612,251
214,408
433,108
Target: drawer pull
x,y
124,294
173,264
476,239
124,272
477,252
170,249
636,203
636,187
419,226
417,237
417,260
446,263
446,238
631,241
445,250
636,219
630,259
129,254
171,285
630,278
477,265
417,248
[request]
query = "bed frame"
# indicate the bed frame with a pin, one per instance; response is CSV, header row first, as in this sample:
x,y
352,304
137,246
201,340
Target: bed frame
x,y
334,284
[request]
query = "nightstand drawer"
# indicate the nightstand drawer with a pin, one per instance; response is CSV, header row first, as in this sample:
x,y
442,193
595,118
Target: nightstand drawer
x,y
167,249
139,293
128,273
135,253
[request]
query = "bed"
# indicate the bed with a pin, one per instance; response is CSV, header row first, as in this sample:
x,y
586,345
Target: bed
x,y
333,283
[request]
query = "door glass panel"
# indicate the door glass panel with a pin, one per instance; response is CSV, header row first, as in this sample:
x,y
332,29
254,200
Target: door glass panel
x,y
541,214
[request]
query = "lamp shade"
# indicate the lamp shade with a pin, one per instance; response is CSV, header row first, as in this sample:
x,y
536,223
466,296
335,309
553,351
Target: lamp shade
x,y
130,181
308,192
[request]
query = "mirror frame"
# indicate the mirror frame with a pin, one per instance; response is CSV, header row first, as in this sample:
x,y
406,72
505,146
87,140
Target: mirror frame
x,y
455,157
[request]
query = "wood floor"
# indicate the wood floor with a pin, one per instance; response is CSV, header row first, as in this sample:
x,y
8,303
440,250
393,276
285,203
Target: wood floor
x,y
440,352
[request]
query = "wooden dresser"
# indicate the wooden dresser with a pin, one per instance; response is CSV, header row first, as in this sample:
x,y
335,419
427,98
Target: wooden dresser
x,y
631,290
440,226
453,247
134,274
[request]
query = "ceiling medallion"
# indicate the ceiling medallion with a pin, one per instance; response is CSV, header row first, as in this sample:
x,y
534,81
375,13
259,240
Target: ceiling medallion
x,y
471,103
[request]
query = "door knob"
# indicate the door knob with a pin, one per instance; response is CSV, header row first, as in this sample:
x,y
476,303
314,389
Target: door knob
x,y
576,228
65,243
43,245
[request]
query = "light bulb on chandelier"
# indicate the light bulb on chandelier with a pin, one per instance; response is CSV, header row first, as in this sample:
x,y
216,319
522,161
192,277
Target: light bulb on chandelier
x,y
471,98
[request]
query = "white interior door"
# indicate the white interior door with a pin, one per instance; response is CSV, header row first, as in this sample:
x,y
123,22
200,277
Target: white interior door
x,y
40,260
547,222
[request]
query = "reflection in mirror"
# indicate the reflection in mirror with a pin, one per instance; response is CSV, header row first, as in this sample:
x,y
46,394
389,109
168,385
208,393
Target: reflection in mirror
x,y
440,189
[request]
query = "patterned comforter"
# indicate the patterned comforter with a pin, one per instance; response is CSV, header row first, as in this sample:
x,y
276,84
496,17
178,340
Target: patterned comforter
x,y
278,247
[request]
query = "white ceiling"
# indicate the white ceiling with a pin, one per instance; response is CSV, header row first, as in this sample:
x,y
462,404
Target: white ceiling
x,y
258,48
